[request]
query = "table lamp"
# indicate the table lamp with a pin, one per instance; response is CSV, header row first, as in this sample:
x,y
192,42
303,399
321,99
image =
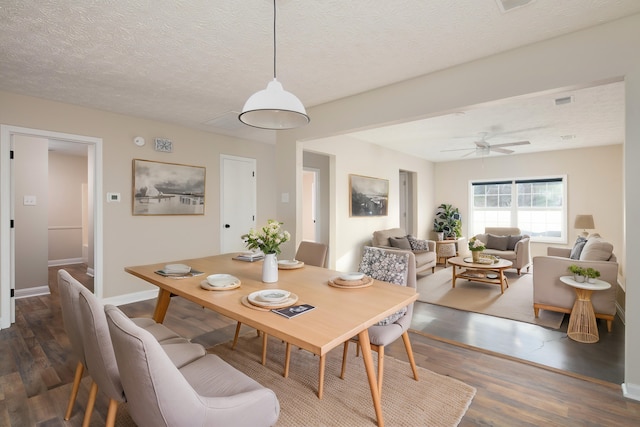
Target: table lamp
x,y
585,222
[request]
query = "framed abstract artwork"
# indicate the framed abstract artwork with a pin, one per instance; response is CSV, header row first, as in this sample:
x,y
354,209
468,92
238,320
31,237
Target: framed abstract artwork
x,y
167,188
368,196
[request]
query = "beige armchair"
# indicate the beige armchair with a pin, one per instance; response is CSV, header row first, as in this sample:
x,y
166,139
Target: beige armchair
x,y
549,293
396,238
508,243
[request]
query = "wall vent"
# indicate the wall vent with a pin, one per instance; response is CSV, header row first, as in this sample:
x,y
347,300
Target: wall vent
x,y
564,101
509,5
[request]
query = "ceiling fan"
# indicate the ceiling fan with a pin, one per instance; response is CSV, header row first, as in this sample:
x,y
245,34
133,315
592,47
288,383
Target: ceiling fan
x,y
483,148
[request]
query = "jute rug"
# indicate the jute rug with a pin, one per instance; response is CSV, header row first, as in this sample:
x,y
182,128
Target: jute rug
x,y
434,400
516,303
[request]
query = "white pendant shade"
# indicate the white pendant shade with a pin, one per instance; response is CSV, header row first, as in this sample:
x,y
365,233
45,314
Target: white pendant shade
x,y
274,108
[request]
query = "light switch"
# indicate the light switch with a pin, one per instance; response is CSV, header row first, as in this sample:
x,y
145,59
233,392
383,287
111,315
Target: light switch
x,y
29,200
285,198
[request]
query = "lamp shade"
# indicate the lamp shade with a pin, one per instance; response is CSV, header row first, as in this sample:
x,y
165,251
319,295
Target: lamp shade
x,y
274,108
584,222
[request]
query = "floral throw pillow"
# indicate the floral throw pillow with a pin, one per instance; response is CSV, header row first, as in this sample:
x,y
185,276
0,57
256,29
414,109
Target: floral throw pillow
x,y
388,267
418,244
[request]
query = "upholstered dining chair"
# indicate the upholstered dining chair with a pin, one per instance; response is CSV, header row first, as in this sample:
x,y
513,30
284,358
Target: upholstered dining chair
x,y
205,392
85,324
395,267
311,253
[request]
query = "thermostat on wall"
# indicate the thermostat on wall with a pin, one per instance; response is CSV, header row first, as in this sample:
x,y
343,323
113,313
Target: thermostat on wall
x,y
113,197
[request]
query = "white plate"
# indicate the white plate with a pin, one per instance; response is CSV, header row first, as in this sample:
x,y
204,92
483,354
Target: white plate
x,y
222,280
177,268
352,276
288,262
272,295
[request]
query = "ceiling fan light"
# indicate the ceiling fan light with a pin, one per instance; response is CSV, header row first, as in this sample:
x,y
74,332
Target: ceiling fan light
x,y
274,108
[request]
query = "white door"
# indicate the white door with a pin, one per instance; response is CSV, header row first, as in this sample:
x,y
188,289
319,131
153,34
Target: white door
x,y
237,201
404,202
310,204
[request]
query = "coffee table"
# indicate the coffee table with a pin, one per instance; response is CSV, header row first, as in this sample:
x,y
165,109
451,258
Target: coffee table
x,y
479,272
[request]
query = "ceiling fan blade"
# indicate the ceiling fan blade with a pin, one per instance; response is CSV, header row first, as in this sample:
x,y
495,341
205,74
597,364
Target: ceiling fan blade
x,y
469,153
501,150
457,149
481,144
510,144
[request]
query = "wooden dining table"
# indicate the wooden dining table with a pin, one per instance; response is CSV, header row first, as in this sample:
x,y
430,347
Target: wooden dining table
x,y
339,314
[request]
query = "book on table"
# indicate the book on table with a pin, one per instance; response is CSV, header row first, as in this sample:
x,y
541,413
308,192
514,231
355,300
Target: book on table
x,y
249,256
293,311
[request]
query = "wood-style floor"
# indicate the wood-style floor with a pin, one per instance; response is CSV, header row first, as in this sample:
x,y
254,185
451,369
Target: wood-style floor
x,y
36,367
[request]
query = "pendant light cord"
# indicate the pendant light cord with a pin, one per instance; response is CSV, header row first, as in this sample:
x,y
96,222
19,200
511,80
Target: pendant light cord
x,y
274,39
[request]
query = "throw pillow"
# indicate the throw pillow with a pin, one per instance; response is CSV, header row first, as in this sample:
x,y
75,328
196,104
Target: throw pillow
x,y
392,319
577,248
497,242
418,244
400,242
511,246
596,250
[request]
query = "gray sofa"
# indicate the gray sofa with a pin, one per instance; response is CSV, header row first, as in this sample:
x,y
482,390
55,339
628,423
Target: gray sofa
x,y
549,293
396,238
508,243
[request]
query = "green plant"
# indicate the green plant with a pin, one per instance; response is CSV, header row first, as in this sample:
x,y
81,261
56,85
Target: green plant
x,y
576,269
268,239
448,221
592,273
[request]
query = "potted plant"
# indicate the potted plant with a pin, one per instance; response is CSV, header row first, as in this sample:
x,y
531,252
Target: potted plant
x,y
578,273
448,221
592,274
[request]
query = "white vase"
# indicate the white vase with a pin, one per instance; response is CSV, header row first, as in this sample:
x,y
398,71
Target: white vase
x,y
270,268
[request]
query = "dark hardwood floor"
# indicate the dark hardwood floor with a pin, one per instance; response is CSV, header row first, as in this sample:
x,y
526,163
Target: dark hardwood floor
x,y
36,365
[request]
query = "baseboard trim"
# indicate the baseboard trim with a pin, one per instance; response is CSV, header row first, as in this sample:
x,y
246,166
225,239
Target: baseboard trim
x,y
631,391
32,292
131,298
68,261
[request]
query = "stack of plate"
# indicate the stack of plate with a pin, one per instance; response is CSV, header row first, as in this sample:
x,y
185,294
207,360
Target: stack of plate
x,y
289,264
272,298
177,269
220,282
351,280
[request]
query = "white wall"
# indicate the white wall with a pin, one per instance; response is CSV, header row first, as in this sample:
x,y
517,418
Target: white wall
x,y
594,186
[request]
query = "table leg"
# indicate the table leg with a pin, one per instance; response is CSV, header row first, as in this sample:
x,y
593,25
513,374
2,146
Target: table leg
x,y
162,304
501,271
453,279
321,375
365,344
582,322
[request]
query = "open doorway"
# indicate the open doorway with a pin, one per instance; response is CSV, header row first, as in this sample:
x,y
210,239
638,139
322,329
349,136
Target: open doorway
x,y
406,202
10,216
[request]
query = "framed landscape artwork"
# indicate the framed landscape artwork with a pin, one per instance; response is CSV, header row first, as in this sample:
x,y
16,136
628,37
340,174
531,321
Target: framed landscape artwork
x,y
167,188
368,196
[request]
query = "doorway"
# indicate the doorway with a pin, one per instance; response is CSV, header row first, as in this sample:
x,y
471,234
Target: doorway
x,y
405,201
8,219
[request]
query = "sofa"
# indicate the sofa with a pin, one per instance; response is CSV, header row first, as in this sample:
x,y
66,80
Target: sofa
x,y
396,238
549,293
508,243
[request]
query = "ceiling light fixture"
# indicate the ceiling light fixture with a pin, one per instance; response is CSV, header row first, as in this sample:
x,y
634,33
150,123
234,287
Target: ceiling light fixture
x,y
274,107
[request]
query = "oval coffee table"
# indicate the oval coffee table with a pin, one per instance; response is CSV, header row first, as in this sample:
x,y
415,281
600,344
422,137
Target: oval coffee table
x,y
479,272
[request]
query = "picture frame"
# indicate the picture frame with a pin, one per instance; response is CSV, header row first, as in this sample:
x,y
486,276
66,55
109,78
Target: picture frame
x,y
368,196
160,188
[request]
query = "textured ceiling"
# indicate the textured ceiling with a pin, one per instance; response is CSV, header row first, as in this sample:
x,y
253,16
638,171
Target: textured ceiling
x,y
193,62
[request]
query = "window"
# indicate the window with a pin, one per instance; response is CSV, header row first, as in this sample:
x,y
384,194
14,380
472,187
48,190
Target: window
x,y
536,206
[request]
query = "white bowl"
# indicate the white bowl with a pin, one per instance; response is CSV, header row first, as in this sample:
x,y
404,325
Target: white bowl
x,y
273,295
221,280
354,275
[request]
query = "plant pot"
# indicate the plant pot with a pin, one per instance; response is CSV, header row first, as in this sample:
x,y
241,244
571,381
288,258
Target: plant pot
x,y
579,278
440,235
270,268
591,280
476,255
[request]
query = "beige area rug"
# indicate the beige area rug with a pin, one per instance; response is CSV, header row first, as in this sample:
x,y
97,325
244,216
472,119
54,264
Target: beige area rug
x,y
434,400
516,303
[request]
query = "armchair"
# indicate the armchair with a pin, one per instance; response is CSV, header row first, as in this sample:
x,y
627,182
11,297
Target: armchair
x,y
508,243
396,238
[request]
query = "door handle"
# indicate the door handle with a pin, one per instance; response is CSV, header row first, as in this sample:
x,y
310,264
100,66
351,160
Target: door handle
x,y
227,226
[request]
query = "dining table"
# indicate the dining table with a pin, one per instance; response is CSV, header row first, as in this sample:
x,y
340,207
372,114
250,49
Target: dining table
x,y
339,313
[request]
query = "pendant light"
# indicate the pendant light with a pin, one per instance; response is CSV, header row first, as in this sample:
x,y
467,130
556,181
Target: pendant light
x,y
274,107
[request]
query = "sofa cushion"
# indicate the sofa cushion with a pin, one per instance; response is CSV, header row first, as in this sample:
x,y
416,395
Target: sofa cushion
x,y
497,242
418,244
596,249
424,257
512,242
577,248
400,242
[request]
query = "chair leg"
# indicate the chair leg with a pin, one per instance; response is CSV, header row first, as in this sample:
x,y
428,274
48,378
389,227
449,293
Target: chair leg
x,y
344,359
536,312
609,325
74,390
235,337
265,336
92,401
518,271
412,362
287,359
111,413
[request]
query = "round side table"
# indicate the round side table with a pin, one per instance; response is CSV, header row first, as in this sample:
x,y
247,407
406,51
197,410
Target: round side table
x,y
582,321
445,249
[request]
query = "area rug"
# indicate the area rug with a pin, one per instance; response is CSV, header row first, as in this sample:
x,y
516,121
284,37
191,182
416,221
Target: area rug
x,y
434,400
516,303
